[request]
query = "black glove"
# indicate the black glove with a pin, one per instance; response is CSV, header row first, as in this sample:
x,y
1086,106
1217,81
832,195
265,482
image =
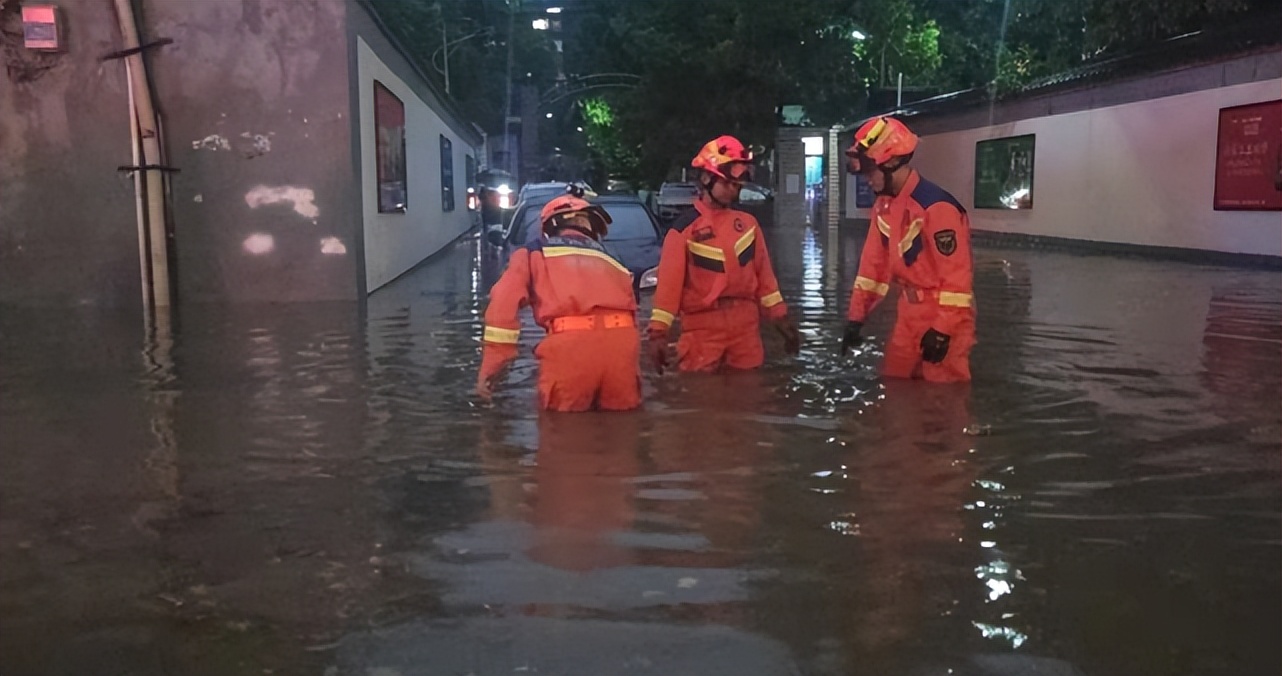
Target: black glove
x,y
934,346
851,337
658,344
791,336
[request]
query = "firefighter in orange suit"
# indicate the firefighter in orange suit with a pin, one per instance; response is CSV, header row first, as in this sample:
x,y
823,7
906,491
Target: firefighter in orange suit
x,y
919,237
715,274
583,298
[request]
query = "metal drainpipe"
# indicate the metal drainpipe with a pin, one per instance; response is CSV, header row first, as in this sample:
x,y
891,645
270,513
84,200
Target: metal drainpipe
x,y
140,203
147,129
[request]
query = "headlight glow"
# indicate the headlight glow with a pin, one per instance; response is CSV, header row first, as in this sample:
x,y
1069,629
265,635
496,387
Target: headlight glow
x,y
649,278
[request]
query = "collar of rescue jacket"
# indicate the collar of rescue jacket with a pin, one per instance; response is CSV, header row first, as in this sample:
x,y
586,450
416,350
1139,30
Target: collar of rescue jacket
x,y
909,186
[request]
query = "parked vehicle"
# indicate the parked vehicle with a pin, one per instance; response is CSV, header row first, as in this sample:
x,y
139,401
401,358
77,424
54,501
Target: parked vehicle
x,y
635,236
617,186
753,193
675,198
546,191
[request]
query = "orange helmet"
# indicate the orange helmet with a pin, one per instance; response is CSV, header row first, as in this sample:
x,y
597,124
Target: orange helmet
x,y
727,152
879,141
555,213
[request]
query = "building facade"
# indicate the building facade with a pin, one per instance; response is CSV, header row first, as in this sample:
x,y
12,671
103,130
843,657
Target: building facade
x,y
306,158
1136,160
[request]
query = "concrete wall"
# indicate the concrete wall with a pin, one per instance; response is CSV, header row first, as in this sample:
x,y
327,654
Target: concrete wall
x,y
1245,69
396,242
261,104
255,111
790,160
1139,173
67,227
257,116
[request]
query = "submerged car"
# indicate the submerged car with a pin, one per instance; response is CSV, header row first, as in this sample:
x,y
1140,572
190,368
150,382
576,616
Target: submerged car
x,y
544,192
674,198
753,193
634,238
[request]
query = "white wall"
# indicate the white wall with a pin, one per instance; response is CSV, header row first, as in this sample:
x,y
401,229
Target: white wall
x,y
395,243
1138,173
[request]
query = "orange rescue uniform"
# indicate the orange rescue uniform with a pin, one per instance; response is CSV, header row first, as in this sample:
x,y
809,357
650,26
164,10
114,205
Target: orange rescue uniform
x,y
715,274
583,298
920,238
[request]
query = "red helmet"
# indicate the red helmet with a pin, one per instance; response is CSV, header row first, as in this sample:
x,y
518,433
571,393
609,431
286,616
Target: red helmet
x,y
726,157
556,212
879,141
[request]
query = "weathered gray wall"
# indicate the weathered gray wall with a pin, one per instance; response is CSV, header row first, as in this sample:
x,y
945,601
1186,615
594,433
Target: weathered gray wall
x,y
67,226
790,159
257,116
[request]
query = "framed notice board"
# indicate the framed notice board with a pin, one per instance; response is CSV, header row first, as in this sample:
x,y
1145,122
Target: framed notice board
x,y
1248,158
1004,173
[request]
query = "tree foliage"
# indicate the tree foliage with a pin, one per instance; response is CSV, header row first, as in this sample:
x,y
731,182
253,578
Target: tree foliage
x,y
722,70
1009,43
711,67
606,147
478,64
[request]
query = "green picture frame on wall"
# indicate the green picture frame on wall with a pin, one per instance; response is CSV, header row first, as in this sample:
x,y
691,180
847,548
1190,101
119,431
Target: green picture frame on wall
x,y
1004,172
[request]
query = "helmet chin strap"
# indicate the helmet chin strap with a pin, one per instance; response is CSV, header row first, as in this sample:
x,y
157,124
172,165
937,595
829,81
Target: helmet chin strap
x,y
888,174
710,180
559,227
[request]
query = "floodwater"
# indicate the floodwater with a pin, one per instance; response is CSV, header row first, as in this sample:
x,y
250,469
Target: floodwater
x,y
305,490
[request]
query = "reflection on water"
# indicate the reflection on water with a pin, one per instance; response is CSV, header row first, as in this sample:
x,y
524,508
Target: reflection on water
x,y
303,489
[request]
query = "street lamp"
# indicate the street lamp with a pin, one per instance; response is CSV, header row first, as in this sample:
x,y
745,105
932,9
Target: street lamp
x,y
554,10
858,35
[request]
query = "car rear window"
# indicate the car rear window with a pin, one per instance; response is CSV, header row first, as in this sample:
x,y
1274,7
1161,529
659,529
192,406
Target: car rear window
x,y
527,224
545,194
631,222
678,191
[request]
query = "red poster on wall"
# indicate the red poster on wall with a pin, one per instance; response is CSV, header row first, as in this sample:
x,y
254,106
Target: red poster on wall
x,y
389,123
1248,160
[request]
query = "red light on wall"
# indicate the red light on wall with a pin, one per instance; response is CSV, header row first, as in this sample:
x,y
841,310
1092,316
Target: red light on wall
x,y
41,28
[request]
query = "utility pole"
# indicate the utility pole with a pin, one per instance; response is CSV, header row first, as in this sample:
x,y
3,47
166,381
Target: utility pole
x,y
507,114
445,47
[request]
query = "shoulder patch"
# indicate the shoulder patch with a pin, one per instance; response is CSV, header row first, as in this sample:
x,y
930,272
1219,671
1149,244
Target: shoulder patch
x,y
683,221
928,194
946,242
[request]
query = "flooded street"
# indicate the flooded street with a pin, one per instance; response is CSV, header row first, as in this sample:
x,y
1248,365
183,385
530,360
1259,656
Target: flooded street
x,y
302,490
